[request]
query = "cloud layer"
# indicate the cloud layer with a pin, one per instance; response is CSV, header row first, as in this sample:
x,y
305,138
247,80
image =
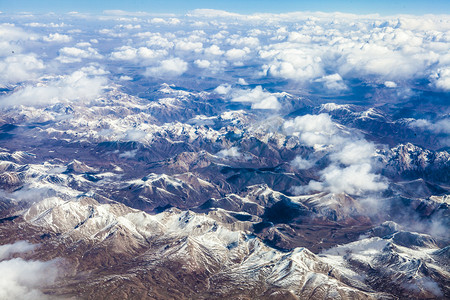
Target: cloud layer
x,y
351,157
22,279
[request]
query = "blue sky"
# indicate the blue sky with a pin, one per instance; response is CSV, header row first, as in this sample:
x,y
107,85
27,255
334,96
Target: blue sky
x,y
383,7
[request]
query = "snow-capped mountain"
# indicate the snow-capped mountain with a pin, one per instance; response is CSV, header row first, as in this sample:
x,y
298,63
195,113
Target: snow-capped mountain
x,y
292,156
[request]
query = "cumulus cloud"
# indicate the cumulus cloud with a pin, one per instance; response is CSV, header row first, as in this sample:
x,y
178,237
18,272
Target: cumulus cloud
x,y
202,63
350,169
232,152
73,54
374,59
22,279
301,163
441,126
312,129
223,89
293,64
258,98
390,84
213,50
236,54
168,68
57,38
354,179
141,55
189,46
354,152
20,67
12,38
441,78
82,85
333,82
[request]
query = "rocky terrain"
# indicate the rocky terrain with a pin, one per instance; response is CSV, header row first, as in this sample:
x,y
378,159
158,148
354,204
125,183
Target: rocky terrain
x,y
155,190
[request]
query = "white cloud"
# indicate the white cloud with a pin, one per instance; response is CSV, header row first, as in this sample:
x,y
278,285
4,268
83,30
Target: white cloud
x,y
293,64
138,55
232,152
350,169
189,46
237,41
257,97
73,54
20,67
242,81
81,85
355,180
312,129
213,50
170,67
18,247
354,152
223,89
333,82
378,59
441,78
156,41
301,163
390,84
128,26
202,63
22,279
236,54
58,38
12,38
440,127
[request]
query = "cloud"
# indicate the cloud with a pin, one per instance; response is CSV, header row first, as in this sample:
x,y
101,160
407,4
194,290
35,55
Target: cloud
x,y
301,163
223,89
259,98
128,154
354,152
350,157
232,152
141,55
312,129
189,46
333,82
293,64
168,68
441,78
250,42
373,59
22,279
390,84
202,63
18,247
441,126
20,67
213,50
236,54
82,85
355,180
73,54
242,81
12,38
57,38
